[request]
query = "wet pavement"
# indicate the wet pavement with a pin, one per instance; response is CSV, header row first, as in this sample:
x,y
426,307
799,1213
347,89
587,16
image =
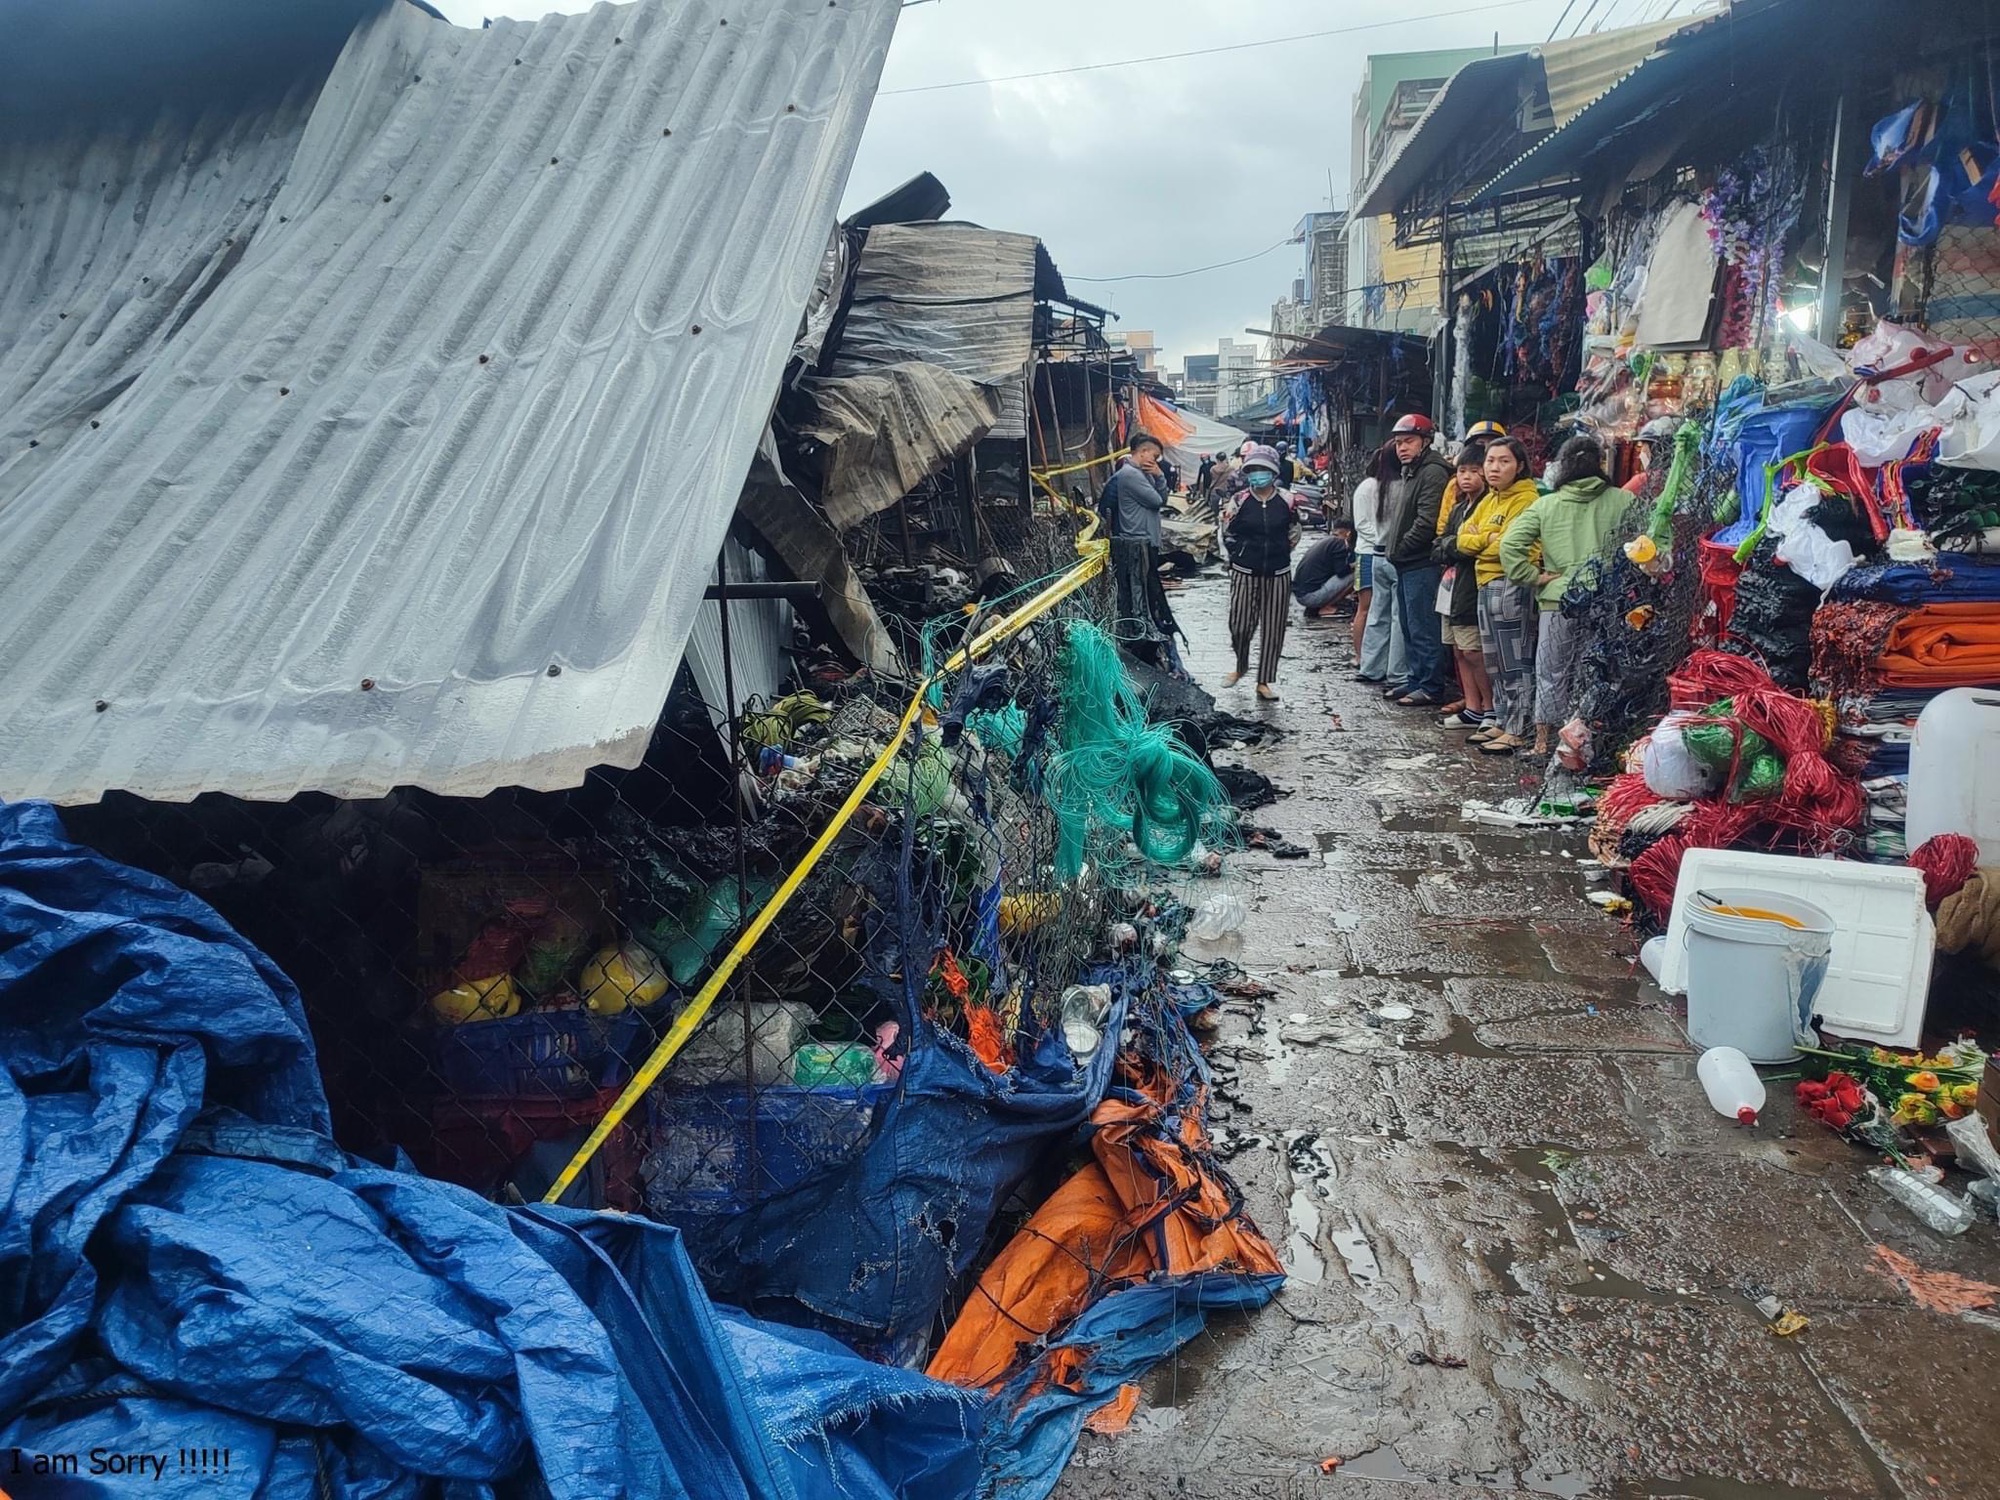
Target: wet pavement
x,y
1523,1251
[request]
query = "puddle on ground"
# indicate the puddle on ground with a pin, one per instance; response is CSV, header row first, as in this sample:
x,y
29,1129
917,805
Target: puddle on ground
x,y
1171,1383
1704,1488
1397,819
1562,1482
1380,1463
1461,1040
1357,1254
1277,1056
1302,1258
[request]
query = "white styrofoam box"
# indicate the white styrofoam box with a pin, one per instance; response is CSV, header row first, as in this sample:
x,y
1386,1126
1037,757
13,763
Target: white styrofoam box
x,y
1879,978
1955,770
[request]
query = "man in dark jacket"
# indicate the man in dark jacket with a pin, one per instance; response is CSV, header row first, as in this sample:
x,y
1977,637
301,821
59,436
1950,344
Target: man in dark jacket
x,y
1415,500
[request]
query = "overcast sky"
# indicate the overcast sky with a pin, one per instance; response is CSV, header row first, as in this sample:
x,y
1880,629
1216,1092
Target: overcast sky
x,y
1159,167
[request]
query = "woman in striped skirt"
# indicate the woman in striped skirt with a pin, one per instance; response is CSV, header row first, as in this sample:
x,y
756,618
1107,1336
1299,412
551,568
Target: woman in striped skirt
x,y
1260,536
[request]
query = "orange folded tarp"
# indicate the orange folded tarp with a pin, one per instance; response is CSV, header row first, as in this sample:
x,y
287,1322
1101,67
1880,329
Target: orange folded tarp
x,y
1147,1206
1944,645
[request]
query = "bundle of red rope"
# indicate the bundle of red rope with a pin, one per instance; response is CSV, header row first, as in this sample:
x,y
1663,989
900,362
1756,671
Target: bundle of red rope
x,y
1947,861
1817,806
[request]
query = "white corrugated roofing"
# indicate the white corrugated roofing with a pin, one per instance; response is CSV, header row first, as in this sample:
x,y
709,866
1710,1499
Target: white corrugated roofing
x,y
388,437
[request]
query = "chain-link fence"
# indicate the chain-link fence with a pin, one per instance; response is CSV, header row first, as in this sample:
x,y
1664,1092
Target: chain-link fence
x,y
1951,288
485,978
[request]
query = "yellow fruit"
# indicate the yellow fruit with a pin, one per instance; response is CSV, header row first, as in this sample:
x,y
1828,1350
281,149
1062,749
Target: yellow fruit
x,y
492,999
621,977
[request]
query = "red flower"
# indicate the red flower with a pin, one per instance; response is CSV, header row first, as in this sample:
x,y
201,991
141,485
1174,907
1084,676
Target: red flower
x,y
1833,1103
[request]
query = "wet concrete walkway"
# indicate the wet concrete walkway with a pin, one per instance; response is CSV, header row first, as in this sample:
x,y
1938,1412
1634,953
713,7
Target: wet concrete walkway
x,y
1523,1250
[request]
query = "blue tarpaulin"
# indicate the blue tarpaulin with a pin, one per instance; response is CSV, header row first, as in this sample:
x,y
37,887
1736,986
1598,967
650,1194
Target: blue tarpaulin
x,y
189,1266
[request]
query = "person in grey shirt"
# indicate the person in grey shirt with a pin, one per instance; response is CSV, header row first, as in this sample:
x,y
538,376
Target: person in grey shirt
x,y
1137,492
1132,501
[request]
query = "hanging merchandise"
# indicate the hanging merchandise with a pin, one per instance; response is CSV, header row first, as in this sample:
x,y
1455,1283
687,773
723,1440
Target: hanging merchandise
x,y
1751,213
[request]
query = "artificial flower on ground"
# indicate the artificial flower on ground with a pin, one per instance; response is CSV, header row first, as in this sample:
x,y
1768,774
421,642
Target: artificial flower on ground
x,y
1926,1089
1841,1102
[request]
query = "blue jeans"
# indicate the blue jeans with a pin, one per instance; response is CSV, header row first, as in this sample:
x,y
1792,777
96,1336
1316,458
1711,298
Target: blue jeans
x,y
1382,651
1416,595
1326,593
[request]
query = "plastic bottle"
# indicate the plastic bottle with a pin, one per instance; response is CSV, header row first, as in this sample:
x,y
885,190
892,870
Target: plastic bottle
x,y
1939,1209
1732,1084
1217,917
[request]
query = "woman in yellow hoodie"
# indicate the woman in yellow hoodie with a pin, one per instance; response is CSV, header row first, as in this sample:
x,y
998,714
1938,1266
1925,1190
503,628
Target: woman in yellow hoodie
x,y
1506,609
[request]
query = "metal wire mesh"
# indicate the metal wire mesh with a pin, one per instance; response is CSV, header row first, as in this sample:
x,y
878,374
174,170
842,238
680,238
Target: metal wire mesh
x,y
483,977
1951,289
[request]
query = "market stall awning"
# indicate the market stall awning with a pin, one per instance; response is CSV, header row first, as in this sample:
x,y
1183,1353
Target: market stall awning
x,y
1510,101
1743,53
385,433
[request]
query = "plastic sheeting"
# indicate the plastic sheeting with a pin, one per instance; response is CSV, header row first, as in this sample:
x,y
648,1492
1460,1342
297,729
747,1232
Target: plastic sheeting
x,y
871,1248
190,1263
385,435
1116,1270
954,295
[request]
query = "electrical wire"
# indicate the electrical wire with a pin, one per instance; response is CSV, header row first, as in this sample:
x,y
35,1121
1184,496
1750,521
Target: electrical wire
x,y
1176,275
1276,41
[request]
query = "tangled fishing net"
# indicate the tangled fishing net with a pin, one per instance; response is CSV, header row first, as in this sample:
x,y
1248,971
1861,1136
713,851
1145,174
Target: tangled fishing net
x,y
1126,794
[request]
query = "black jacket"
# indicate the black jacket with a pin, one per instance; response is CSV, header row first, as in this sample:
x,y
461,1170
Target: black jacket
x,y
1324,561
1465,587
1415,523
1262,533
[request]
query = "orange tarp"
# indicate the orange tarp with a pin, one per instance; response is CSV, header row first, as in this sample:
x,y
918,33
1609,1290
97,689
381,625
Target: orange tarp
x,y
1147,1206
1162,421
1944,645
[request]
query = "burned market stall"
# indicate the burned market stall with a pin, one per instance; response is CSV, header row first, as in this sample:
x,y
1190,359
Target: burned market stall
x,y
669,758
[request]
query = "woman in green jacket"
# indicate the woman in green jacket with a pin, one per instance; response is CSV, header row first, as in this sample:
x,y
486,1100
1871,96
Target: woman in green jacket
x,y
1574,525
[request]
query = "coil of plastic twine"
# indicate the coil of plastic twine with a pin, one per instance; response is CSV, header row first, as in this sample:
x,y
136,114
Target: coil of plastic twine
x,y
1947,861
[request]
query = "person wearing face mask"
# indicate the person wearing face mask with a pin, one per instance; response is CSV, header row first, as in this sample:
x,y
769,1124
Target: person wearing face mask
x,y
1260,534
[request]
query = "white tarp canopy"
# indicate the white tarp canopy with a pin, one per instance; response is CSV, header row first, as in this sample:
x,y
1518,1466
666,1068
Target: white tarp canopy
x,y
1208,437
387,434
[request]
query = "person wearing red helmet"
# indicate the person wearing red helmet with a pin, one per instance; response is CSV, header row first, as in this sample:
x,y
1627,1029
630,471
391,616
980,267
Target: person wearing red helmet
x,y
1415,500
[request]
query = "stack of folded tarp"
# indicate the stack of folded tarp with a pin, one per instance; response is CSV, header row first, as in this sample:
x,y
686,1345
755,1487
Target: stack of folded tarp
x,y
193,1267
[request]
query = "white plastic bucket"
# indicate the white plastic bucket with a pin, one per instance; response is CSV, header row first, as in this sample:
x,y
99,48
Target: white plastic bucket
x,y
1752,981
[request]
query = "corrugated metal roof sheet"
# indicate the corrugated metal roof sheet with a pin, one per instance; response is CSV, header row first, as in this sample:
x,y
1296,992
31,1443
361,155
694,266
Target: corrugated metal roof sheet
x,y
1583,68
954,295
1671,67
1574,72
886,431
389,438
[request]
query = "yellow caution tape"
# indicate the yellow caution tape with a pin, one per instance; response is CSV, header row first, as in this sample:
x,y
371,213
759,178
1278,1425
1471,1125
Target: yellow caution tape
x,y
1088,463
1094,555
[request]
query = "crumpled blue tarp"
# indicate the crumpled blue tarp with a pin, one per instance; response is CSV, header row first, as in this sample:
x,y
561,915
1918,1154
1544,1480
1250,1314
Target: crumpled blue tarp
x,y
178,1279
871,1248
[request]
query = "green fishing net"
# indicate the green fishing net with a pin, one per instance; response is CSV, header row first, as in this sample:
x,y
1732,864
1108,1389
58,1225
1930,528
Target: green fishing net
x,y
1126,793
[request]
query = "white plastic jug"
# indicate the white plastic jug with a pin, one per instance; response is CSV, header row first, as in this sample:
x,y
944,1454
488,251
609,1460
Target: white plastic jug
x,y
1755,962
1955,770
1732,1085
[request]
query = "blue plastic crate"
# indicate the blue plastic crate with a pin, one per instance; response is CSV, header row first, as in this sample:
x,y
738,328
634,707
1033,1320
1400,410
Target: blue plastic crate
x,y
562,1054
702,1160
